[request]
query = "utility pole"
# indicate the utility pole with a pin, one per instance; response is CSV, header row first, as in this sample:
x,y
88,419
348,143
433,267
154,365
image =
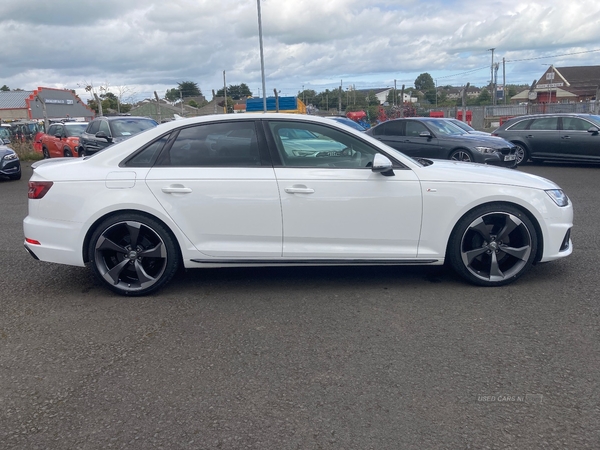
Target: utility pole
x,y
395,93
464,102
504,79
276,100
225,92
157,107
340,98
492,76
215,100
37,97
262,58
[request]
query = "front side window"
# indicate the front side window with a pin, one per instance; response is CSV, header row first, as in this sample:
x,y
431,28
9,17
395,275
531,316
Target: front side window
x,y
315,145
414,129
94,127
104,127
129,127
520,125
53,130
575,124
228,144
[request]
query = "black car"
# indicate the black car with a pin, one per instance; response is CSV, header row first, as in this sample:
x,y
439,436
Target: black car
x,y
429,137
554,137
104,131
10,166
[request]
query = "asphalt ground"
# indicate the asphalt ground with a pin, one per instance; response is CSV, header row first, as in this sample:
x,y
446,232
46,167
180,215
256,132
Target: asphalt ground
x,y
303,358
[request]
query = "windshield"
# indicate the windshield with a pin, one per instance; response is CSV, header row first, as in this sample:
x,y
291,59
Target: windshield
x,y
75,129
445,128
129,127
595,119
462,125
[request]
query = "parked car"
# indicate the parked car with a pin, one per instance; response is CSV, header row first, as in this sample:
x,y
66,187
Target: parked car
x,y
5,135
62,139
10,166
165,198
554,137
429,137
351,123
467,128
104,131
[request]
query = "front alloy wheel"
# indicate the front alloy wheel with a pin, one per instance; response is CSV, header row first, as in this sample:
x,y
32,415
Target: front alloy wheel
x,y
522,154
461,155
133,255
493,246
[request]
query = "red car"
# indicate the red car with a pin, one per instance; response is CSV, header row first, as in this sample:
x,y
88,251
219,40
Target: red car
x,y
62,139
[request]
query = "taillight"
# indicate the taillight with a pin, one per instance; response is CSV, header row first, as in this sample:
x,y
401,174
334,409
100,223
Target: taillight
x,y
37,189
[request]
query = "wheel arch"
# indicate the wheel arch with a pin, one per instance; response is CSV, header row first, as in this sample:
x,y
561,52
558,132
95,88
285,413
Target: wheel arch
x,y
94,226
529,214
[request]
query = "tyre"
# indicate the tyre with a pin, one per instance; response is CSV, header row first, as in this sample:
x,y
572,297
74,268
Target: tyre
x,y
15,177
461,155
522,153
493,245
68,153
46,153
133,254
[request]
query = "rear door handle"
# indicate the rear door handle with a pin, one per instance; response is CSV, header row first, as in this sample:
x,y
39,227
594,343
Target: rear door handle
x,y
529,136
176,189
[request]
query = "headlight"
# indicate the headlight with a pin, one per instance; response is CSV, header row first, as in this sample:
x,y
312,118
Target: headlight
x,y
558,196
10,157
485,149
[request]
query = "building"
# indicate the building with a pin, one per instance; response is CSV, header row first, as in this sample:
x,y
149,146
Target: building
x,y
563,85
43,103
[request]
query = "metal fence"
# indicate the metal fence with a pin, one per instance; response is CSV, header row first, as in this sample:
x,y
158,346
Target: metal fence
x,y
488,117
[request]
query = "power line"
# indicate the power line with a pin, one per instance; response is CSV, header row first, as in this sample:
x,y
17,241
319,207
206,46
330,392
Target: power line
x,y
552,56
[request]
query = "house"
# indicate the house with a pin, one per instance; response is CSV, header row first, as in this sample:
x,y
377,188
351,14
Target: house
x,y
43,103
563,85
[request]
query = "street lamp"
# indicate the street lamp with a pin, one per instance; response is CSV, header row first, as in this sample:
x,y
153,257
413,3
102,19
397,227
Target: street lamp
x,y
262,58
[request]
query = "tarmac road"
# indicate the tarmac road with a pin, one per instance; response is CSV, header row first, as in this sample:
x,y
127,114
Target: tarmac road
x,y
310,358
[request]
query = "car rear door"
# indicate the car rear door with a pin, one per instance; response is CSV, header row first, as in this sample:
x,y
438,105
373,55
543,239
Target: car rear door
x,y
221,191
543,137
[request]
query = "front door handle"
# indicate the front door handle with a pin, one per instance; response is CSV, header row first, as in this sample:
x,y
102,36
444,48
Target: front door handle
x,y
299,190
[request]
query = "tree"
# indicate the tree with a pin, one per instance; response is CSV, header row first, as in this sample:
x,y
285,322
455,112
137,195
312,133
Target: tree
x,y
236,92
5,88
484,98
424,83
183,90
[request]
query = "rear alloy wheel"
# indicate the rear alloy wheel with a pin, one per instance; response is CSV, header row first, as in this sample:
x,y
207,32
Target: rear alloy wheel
x,y
521,153
461,155
133,254
493,245
46,153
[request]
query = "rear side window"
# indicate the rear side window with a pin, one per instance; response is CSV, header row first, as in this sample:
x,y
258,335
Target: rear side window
x,y
520,125
228,144
546,123
147,156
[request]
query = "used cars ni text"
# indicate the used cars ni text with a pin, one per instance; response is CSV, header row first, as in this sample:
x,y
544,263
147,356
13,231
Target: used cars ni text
x,y
222,191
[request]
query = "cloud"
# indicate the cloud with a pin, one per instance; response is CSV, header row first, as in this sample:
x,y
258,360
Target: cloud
x,y
153,45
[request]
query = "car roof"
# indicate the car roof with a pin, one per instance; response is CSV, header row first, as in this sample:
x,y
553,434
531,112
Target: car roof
x,y
122,118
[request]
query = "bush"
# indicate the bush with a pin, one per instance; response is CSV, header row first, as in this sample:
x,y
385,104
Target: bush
x,y
25,151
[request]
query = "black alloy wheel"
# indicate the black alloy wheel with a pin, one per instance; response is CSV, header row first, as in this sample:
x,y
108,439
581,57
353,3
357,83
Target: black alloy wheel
x,y
133,254
493,245
68,153
46,153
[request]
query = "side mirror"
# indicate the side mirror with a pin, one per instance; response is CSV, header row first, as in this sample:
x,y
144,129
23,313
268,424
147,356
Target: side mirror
x,y
425,134
382,165
594,130
103,135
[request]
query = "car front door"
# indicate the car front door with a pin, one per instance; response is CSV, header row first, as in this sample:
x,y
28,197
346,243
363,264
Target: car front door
x,y
578,140
221,191
419,141
335,207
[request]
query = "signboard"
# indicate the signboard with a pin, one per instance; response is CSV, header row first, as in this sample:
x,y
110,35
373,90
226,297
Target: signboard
x,y
50,101
550,85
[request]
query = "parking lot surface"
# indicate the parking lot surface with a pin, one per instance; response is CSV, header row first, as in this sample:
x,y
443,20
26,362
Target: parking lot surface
x,y
303,358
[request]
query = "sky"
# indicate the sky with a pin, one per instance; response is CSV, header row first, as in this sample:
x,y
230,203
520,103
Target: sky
x,y
136,47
